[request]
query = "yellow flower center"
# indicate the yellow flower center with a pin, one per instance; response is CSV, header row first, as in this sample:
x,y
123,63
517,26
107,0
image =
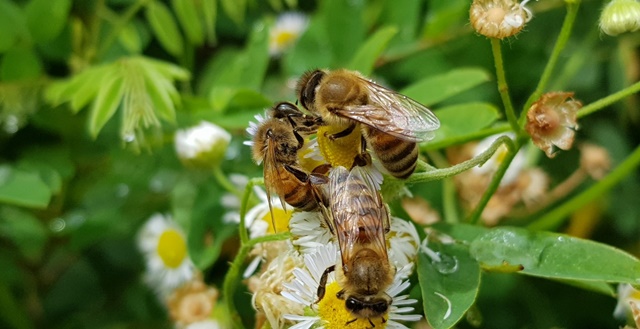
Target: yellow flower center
x,y
340,151
335,314
281,219
285,38
172,248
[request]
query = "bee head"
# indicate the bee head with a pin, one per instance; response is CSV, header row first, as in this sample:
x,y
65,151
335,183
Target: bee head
x,y
307,85
368,307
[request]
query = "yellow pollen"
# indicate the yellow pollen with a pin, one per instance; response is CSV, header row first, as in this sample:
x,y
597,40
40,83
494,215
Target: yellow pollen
x,y
172,248
335,315
281,218
635,294
340,151
501,153
307,163
285,38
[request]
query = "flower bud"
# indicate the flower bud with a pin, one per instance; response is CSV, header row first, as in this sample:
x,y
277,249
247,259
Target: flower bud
x,y
551,122
202,146
595,160
620,16
498,18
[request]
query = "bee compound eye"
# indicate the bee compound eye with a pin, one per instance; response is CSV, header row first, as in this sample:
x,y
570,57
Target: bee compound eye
x,y
380,307
353,304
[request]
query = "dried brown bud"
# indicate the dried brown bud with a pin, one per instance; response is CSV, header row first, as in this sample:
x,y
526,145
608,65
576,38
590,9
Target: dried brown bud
x,y
594,160
193,302
498,18
551,122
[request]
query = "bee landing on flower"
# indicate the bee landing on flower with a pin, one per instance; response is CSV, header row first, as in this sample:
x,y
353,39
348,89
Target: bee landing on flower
x,y
499,18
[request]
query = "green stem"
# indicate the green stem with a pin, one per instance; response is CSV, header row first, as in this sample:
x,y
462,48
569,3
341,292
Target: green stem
x,y
230,283
457,140
495,181
437,174
604,102
119,25
449,211
503,87
555,218
561,42
222,179
244,205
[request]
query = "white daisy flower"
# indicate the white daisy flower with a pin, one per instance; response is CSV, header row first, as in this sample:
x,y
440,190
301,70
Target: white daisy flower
x,y
203,145
627,296
164,246
267,286
491,166
286,30
403,242
309,231
253,127
331,312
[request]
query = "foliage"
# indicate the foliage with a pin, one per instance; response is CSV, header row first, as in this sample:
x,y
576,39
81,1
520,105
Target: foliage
x,y
92,92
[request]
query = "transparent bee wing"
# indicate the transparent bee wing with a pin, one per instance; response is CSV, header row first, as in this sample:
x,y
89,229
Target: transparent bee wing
x,y
357,211
394,113
271,174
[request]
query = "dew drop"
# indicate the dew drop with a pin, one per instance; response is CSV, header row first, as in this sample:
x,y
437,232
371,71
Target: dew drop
x,y
122,190
57,225
448,312
447,264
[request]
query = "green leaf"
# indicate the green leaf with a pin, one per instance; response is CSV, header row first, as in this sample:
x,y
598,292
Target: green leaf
x,y
406,15
545,254
20,64
275,4
595,286
555,256
369,52
449,286
234,101
47,18
209,9
235,9
445,17
164,27
187,14
22,188
309,52
130,39
463,119
344,28
160,91
432,90
106,102
25,230
12,21
12,312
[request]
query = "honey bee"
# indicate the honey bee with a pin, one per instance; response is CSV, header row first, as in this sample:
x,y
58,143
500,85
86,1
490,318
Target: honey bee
x,y
392,123
359,219
276,143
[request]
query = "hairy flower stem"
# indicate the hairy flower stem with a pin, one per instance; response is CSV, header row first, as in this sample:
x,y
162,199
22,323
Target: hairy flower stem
x,y
556,217
437,174
606,101
561,42
233,275
244,205
503,87
457,140
495,180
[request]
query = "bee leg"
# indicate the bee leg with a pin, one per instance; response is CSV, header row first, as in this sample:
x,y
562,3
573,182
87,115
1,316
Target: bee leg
x,y
371,323
301,175
343,133
363,158
299,139
322,169
323,282
351,321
